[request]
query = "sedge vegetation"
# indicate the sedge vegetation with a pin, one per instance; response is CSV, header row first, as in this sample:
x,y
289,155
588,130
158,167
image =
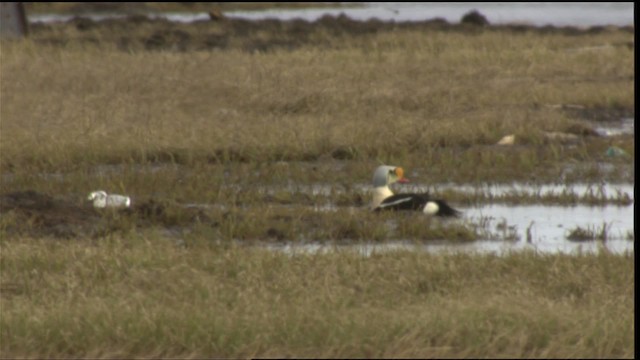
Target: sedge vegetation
x,y
144,297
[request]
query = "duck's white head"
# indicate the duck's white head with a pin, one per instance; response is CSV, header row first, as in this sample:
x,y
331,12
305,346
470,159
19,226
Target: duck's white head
x,y
382,178
386,175
100,194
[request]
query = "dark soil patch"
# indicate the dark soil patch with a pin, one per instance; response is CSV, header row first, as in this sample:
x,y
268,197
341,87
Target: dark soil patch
x,y
30,213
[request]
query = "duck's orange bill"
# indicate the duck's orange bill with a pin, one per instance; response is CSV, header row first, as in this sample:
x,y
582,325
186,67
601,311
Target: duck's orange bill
x,y
400,175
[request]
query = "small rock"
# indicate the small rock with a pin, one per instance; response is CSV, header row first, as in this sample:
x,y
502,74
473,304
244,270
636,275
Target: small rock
x,y
507,140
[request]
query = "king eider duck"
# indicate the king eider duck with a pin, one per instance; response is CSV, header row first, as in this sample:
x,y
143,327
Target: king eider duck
x,y
384,199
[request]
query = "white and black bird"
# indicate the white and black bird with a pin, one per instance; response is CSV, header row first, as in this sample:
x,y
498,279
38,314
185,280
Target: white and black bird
x,y
385,199
101,199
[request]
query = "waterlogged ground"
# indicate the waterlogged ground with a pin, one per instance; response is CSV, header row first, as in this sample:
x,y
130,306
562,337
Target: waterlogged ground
x,y
504,217
545,228
550,217
300,205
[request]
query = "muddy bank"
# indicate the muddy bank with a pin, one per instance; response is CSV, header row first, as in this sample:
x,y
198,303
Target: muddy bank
x,y
35,214
141,33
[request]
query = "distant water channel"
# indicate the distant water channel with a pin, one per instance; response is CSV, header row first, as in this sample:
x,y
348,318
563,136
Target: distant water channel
x,y
581,14
529,13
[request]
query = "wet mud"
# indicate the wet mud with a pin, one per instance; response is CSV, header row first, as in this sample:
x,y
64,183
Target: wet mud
x,y
34,214
30,213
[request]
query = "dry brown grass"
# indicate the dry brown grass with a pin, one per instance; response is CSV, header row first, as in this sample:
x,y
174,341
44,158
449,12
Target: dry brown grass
x,y
388,96
143,296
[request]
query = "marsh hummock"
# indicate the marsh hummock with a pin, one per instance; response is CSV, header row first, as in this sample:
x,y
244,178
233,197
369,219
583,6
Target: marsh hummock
x,y
385,199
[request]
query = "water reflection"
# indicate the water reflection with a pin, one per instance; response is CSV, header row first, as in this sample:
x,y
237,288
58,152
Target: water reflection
x,y
551,223
476,247
532,227
497,190
625,127
534,13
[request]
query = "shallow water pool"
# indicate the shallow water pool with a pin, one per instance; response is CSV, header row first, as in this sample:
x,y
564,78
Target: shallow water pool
x,y
511,228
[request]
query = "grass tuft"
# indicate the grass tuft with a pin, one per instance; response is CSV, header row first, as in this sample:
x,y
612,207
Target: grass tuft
x,y
590,233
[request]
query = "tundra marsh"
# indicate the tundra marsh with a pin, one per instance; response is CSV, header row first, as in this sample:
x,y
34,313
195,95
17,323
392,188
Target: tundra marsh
x,y
189,119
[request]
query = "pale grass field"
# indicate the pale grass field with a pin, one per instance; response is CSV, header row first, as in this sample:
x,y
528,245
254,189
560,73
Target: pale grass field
x,y
146,297
391,95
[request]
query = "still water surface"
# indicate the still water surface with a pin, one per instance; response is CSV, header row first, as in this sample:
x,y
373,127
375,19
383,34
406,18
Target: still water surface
x,y
582,14
547,225
530,13
542,228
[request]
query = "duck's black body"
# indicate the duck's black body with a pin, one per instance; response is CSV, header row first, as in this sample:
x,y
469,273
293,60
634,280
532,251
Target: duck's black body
x,y
417,202
384,199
